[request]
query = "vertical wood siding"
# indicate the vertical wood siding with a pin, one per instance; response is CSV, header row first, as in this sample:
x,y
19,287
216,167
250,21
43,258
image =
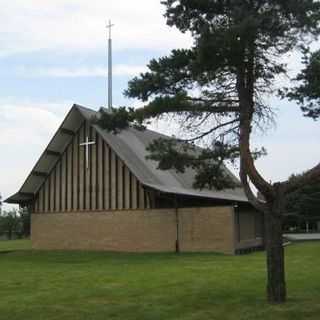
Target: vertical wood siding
x,y
107,184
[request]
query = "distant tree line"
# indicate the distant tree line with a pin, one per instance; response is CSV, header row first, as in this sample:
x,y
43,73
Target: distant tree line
x,y
14,224
305,200
303,205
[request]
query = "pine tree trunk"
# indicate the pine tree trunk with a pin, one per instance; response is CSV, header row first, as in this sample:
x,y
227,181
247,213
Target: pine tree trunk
x,y
276,285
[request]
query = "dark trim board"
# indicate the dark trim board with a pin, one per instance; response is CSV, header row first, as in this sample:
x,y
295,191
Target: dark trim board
x,y
67,132
39,174
53,153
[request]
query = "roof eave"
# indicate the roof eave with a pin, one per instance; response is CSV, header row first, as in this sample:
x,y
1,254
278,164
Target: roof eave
x,y
20,198
17,198
189,193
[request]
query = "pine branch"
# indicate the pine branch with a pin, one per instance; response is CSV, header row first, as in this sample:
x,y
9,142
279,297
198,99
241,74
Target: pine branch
x,y
201,136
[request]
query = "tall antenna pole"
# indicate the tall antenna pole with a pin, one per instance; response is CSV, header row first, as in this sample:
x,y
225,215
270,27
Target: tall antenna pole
x,y
109,26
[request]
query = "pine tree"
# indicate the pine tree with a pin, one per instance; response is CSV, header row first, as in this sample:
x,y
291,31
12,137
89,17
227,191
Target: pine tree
x,y
216,90
1,203
306,91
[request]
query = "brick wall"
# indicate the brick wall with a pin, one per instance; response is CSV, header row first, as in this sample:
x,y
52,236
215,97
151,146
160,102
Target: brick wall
x,y
200,229
207,229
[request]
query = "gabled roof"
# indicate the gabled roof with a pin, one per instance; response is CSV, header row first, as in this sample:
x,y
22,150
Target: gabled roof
x,y
130,145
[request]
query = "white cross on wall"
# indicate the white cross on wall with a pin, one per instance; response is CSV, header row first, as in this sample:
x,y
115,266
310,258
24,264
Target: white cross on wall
x,y
86,145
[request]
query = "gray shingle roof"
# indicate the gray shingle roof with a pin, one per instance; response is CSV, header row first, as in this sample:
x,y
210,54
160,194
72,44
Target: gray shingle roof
x,y
130,145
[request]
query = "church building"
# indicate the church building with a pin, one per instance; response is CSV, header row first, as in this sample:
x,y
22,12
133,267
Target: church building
x,y
95,190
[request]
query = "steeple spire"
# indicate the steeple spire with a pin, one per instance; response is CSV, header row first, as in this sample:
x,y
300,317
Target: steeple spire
x,y
109,26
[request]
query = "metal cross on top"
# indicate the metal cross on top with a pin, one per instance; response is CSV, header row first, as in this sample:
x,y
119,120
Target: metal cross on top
x,y
86,145
109,26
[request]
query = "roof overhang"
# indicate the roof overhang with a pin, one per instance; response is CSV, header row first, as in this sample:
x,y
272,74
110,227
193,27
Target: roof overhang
x,y
233,195
51,155
20,198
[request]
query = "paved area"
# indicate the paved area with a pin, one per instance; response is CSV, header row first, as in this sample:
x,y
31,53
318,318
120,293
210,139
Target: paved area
x,y
302,236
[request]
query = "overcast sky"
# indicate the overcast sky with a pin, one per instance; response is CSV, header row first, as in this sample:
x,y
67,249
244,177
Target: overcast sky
x,y
53,54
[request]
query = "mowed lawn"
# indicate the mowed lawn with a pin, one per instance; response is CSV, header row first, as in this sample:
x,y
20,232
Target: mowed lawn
x,y
97,285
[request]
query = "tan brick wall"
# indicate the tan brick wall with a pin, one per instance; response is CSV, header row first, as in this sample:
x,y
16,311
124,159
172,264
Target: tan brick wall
x,y
200,229
113,231
207,229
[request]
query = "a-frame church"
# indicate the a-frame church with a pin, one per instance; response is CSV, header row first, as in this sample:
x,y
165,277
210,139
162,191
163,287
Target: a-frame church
x,y
95,190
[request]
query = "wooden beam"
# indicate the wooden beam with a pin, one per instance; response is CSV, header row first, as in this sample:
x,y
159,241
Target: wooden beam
x,y
26,194
53,153
39,174
67,131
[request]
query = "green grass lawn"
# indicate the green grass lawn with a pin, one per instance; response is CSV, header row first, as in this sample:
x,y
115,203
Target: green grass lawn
x,y
96,285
